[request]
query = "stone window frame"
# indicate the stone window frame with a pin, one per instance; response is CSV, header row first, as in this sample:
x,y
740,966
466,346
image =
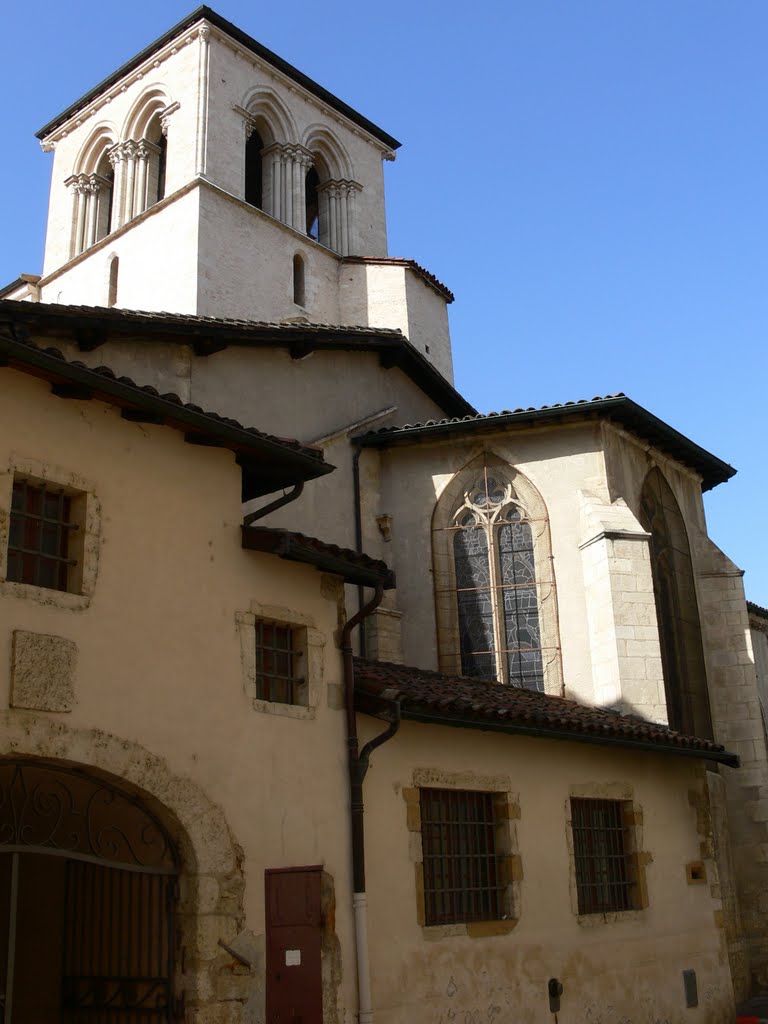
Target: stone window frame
x,y
444,572
637,857
85,512
310,643
507,814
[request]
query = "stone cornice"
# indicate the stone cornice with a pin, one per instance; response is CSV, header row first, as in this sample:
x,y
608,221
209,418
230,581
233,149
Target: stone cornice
x,y
202,29
98,103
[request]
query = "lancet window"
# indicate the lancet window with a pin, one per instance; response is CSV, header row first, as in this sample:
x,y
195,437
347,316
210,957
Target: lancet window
x,y
494,583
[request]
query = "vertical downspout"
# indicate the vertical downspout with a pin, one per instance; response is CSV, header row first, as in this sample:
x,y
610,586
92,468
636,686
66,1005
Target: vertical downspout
x,y
358,766
358,533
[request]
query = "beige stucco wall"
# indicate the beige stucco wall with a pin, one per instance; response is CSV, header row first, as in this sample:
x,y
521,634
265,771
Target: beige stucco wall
x,y
158,649
624,969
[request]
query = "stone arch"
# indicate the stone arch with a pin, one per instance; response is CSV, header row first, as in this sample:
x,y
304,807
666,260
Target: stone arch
x,y
212,879
677,609
272,119
149,104
95,148
330,156
524,506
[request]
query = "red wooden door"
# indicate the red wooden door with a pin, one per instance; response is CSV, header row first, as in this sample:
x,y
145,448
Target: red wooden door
x,y
293,930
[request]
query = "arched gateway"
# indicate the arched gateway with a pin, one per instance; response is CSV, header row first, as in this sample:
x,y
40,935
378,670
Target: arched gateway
x,y
88,895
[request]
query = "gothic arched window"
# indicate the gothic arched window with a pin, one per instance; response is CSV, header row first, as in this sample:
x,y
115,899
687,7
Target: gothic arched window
x,y
677,611
494,584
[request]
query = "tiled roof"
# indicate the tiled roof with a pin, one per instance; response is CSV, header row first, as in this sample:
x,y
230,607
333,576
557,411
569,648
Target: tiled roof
x,y
756,609
455,700
268,462
398,261
617,408
245,41
353,566
92,326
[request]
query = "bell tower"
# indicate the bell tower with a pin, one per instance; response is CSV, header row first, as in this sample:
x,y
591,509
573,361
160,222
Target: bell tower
x,y
208,176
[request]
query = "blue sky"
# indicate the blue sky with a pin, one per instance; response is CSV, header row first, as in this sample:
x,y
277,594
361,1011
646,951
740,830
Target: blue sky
x,y
589,178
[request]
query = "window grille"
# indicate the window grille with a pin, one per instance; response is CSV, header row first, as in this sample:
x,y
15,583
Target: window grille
x,y
277,661
601,853
40,529
462,876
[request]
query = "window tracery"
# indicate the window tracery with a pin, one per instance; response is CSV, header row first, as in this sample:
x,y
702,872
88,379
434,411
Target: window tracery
x,y
493,581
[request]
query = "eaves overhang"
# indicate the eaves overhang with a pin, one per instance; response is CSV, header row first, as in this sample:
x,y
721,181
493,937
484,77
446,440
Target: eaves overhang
x,y
93,326
384,690
267,463
617,409
352,566
205,13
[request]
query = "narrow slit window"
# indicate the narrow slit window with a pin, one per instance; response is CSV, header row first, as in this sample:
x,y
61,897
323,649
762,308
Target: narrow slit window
x,y
114,270
299,292
254,175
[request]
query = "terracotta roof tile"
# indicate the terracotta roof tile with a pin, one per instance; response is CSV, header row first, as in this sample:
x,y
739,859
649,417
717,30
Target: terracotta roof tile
x,y
275,461
457,700
618,408
399,261
354,566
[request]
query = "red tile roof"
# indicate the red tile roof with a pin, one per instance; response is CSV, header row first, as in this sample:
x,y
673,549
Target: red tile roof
x,y
455,700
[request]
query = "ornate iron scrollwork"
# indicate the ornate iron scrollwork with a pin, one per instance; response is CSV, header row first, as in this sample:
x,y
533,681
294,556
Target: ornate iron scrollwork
x,y
54,809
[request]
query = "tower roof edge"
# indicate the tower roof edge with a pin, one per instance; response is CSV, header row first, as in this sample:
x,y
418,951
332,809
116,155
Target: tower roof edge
x,y
208,14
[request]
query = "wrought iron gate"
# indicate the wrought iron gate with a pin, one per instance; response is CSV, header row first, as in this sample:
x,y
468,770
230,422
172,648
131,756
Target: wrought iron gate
x,y
88,888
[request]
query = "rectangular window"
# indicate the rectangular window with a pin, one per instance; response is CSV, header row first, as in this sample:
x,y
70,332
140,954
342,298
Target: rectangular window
x,y
41,527
278,658
601,847
462,870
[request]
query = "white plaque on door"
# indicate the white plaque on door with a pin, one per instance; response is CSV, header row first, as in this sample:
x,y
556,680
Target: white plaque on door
x,y
293,958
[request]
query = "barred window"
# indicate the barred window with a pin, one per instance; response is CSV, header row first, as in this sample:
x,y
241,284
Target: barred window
x,y
463,876
601,848
40,538
278,661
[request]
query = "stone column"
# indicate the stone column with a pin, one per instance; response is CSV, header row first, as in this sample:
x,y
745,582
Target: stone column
x,y
129,153
302,161
203,34
118,186
142,156
78,185
92,210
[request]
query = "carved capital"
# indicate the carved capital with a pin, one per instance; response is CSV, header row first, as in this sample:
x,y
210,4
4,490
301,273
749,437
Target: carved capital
x,y
130,149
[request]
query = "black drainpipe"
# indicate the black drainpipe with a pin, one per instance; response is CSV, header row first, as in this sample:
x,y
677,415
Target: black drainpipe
x,y
284,499
358,766
358,535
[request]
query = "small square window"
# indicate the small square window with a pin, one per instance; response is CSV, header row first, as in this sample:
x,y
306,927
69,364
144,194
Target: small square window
x,y
605,872
463,872
42,538
279,659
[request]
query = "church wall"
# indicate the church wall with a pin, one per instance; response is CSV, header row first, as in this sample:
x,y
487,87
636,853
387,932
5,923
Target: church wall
x,y
557,464
614,968
246,266
733,694
155,686
381,295
158,267
235,77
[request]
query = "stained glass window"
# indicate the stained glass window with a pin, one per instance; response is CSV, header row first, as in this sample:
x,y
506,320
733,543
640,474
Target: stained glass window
x,y
496,587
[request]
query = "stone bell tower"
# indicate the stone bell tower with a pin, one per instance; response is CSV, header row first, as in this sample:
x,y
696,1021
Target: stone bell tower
x,y
208,176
